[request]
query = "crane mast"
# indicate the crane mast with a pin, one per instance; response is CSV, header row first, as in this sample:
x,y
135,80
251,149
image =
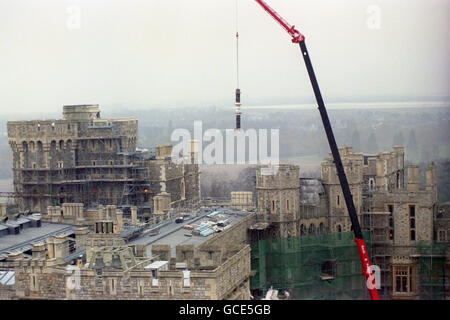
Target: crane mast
x,y
297,37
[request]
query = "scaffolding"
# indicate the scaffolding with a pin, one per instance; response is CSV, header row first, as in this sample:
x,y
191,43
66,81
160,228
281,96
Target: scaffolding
x,y
326,267
379,226
433,282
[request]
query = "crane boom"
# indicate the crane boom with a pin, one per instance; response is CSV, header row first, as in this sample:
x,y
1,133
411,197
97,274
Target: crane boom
x,y
297,37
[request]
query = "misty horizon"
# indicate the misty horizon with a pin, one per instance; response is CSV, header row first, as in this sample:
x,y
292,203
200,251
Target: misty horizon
x,y
149,54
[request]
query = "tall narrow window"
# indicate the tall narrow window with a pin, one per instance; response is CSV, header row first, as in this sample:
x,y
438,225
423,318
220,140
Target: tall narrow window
x,y
398,180
412,222
287,205
391,221
371,184
113,287
441,236
338,200
273,205
33,283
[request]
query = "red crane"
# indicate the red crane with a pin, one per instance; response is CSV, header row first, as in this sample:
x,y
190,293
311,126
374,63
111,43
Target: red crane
x,y
297,37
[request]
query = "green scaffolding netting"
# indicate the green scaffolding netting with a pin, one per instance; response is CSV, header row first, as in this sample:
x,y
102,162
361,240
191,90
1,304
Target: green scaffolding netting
x,y
432,278
310,267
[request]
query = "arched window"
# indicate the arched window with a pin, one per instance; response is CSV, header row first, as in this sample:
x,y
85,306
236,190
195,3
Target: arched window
x,y
39,147
302,230
61,144
32,146
53,146
339,228
312,229
69,145
321,228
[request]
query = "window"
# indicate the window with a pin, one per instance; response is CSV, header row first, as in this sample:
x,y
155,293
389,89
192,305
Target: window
x,y
321,228
302,230
273,205
328,270
371,184
155,277
403,279
113,286
412,223
338,200
287,205
186,278
391,221
339,228
398,180
33,284
441,236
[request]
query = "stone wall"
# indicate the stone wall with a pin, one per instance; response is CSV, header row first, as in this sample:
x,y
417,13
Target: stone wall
x,y
38,279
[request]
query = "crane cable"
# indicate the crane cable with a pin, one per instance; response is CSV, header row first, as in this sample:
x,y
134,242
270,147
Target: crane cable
x,y
238,91
237,46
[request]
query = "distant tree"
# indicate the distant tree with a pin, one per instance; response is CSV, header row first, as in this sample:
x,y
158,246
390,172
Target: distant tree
x,y
355,141
372,145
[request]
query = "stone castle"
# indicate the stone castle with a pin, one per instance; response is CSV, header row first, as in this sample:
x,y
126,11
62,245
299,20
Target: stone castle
x,y
86,159
389,201
87,171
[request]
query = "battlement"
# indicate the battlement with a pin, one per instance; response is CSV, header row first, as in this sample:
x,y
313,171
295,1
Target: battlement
x,y
81,112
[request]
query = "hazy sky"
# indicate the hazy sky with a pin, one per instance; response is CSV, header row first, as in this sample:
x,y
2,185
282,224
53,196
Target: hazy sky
x,y
178,52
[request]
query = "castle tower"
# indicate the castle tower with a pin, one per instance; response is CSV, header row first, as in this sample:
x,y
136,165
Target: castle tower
x,y
353,166
278,195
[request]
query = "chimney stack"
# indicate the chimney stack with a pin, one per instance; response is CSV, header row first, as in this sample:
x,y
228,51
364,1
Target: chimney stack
x,y
413,178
